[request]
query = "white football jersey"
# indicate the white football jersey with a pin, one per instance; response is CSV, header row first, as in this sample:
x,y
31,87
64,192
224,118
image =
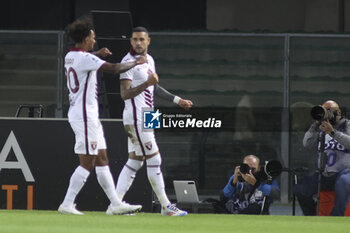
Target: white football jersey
x,y
80,68
138,75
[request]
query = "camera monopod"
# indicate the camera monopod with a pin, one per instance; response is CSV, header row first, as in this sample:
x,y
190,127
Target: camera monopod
x,y
322,166
273,169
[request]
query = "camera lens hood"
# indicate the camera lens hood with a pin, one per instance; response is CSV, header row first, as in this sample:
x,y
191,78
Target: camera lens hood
x,y
244,168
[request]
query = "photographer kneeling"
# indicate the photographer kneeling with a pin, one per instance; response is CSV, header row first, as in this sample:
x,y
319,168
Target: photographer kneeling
x,y
248,190
335,131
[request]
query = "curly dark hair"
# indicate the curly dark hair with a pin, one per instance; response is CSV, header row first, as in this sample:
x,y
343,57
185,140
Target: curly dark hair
x,y
80,29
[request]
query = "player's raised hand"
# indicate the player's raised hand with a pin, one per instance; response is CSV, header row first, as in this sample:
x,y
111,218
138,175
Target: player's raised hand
x,y
104,52
141,60
186,104
152,79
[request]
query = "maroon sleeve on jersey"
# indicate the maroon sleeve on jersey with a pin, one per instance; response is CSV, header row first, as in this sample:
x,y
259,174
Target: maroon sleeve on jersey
x,y
101,66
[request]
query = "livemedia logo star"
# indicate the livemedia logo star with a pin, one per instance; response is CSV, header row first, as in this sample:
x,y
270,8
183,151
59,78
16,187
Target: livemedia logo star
x,y
151,119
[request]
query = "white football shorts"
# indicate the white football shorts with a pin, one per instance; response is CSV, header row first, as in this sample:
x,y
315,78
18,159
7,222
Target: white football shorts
x,y
89,137
148,143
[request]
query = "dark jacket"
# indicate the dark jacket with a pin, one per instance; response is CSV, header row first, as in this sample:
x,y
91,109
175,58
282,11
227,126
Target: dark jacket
x,y
244,198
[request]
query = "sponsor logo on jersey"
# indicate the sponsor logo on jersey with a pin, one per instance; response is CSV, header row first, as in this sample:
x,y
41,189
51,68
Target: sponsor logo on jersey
x,y
94,59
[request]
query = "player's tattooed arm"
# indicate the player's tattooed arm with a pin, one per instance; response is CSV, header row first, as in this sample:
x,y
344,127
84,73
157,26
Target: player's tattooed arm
x,y
117,68
127,92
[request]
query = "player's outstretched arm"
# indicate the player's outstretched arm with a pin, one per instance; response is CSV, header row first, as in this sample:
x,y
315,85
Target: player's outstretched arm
x,y
104,52
117,68
166,95
127,92
163,93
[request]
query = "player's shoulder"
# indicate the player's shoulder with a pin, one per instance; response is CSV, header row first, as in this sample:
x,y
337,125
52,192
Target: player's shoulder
x,y
149,57
79,54
127,58
89,55
76,56
93,57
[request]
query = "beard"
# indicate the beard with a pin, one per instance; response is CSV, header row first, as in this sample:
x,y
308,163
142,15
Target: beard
x,y
139,51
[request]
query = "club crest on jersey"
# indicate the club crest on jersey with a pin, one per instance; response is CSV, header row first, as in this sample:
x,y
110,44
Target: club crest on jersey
x,y
93,145
148,145
151,119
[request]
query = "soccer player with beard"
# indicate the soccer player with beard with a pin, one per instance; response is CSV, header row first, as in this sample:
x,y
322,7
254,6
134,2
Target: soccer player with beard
x,y
137,87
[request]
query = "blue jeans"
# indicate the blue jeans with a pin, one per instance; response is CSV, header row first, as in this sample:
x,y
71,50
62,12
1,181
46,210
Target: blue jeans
x,y
339,182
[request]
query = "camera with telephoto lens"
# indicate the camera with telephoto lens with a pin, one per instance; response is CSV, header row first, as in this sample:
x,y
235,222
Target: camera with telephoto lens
x,y
244,168
320,113
270,170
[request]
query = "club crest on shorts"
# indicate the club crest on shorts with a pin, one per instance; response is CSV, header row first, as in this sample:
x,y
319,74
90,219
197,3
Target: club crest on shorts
x,y
151,119
93,145
148,145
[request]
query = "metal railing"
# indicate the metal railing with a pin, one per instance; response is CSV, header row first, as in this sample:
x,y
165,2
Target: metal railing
x,y
36,59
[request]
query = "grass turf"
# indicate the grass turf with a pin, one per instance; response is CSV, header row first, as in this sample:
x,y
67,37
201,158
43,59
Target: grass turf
x,y
24,221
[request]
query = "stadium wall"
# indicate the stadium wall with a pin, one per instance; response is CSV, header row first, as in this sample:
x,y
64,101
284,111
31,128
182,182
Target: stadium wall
x,y
37,160
252,15
278,16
